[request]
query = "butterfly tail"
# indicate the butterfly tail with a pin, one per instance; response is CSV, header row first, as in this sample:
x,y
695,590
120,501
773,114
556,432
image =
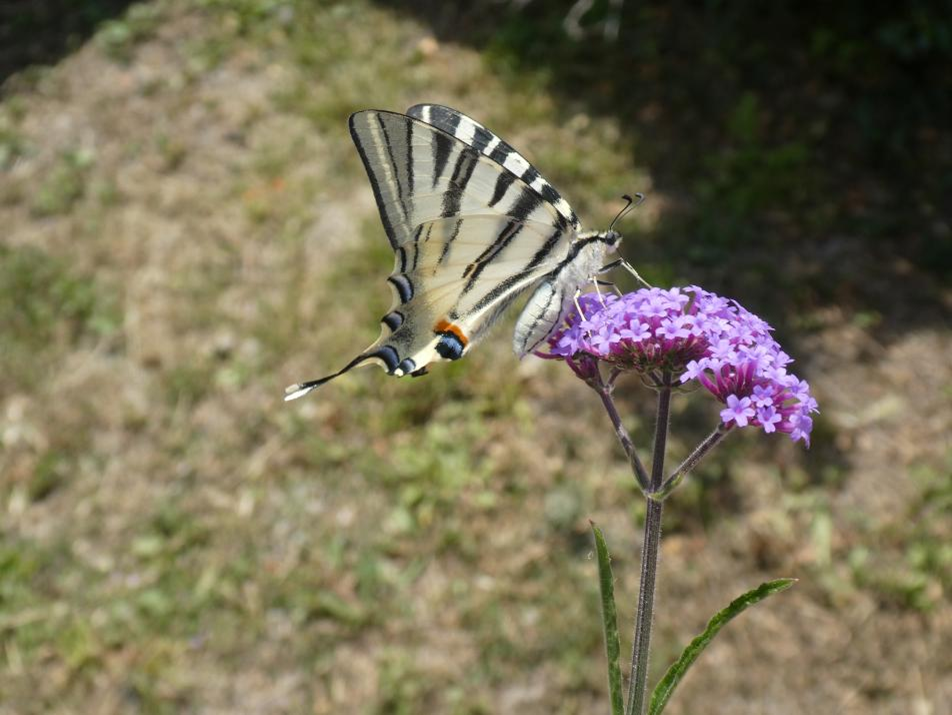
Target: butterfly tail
x,y
384,355
293,392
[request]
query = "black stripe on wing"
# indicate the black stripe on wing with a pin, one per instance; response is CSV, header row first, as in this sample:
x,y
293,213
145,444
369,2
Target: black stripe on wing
x,y
482,138
512,285
462,173
375,182
442,149
449,241
524,206
471,132
399,157
503,183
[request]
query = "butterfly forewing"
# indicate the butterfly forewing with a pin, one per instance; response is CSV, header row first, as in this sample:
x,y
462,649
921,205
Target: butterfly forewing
x,y
481,139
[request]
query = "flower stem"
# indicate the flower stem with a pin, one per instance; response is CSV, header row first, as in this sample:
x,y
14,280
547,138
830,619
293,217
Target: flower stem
x,y
636,466
661,433
692,460
637,688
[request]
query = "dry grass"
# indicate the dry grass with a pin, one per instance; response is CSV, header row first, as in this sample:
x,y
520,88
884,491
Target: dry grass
x,y
187,229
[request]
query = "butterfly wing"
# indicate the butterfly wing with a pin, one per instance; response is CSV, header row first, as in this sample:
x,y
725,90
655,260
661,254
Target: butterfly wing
x,y
465,282
475,135
469,235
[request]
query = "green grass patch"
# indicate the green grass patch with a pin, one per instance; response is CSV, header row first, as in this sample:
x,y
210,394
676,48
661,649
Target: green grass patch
x,y
64,185
118,39
908,563
44,307
13,144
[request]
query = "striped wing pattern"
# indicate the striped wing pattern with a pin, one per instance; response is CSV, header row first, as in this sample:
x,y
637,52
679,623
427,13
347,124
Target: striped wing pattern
x,y
474,134
472,226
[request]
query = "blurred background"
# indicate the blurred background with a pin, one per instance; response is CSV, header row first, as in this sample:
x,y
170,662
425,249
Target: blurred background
x,y
185,228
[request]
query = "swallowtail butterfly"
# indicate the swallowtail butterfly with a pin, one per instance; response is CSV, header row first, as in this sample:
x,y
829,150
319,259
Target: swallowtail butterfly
x,y
473,226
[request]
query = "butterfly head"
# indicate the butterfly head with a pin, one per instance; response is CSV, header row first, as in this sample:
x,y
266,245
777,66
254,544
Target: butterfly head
x,y
598,242
611,239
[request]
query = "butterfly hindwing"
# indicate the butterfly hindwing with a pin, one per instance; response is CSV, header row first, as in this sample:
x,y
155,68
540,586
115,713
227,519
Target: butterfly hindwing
x,y
456,283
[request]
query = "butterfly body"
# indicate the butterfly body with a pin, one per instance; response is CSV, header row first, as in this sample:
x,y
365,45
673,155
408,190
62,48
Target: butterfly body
x,y
555,292
473,227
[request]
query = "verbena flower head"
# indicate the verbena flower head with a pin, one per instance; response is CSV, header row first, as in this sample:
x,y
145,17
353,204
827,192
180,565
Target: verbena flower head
x,y
695,336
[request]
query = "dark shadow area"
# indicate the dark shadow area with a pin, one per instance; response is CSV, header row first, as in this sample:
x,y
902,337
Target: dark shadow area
x,y
38,32
805,149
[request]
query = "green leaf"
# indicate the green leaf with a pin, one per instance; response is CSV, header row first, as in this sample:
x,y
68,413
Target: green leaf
x,y
664,689
610,621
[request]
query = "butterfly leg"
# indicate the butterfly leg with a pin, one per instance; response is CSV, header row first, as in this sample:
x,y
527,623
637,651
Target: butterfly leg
x,y
628,267
608,284
597,291
631,269
578,306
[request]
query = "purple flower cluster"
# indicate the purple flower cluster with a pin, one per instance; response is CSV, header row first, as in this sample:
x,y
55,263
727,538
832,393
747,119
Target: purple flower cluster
x,y
692,334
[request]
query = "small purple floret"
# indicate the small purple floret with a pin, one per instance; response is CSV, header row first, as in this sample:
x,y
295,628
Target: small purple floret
x,y
738,411
697,336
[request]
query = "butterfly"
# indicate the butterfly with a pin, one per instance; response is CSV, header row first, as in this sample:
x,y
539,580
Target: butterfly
x,y
473,226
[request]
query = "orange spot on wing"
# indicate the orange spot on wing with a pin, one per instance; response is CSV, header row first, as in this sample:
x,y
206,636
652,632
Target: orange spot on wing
x,y
444,326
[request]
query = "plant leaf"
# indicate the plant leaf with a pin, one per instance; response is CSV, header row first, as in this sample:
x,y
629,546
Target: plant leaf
x,y
664,689
609,621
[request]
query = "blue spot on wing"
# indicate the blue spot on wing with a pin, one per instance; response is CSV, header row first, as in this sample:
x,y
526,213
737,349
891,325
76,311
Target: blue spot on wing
x,y
449,347
393,320
389,356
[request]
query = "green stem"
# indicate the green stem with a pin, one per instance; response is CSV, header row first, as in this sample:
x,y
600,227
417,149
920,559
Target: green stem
x,y
637,688
692,460
605,392
661,433
641,646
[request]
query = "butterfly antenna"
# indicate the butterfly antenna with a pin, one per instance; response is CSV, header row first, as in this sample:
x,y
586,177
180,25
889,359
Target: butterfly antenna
x,y
632,204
